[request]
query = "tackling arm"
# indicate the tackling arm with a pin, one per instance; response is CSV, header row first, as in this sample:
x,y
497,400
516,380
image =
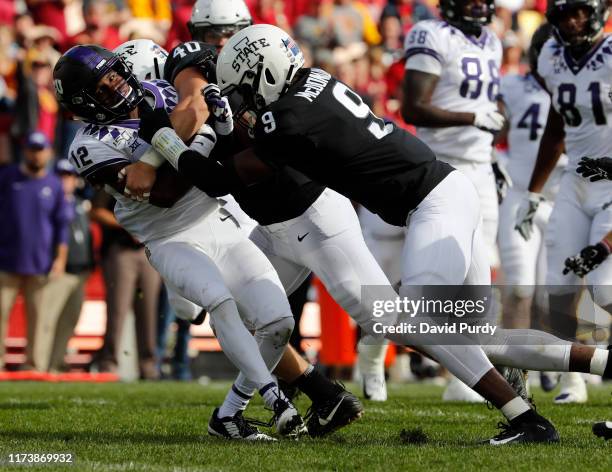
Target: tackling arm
x,y
191,112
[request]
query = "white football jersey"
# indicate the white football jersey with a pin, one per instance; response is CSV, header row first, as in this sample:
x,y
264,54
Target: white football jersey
x,y
527,105
469,81
98,146
580,94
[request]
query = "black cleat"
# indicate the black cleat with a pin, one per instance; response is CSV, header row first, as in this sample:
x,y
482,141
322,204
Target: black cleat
x,y
333,414
539,431
603,429
235,427
287,420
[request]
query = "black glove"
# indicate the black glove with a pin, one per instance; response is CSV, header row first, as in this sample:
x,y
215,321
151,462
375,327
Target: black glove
x,y
151,121
596,169
588,259
502,181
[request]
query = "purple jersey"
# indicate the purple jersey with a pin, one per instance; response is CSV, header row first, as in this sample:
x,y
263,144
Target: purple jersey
x,y
34,219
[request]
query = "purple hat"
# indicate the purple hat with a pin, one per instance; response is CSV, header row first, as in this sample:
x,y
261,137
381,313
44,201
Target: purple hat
x,y
37,140
63,166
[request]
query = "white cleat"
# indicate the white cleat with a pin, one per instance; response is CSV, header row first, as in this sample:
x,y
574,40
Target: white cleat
x,y
573,389
457,391
288,421
374,387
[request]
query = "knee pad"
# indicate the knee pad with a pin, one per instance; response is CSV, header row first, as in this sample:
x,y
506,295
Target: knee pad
x,y
277,332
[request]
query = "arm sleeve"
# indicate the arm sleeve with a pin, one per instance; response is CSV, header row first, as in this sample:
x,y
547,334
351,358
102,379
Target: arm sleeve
x,y
208,175
424,49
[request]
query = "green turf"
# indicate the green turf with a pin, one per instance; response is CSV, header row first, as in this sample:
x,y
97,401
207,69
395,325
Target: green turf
x,y
162,427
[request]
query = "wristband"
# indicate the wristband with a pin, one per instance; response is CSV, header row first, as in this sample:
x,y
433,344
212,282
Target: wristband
x,y
153,158
224,128
168,144
607,245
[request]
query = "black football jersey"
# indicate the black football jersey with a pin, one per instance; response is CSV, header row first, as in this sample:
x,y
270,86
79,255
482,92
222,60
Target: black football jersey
x,y
191,54
286,194
323,129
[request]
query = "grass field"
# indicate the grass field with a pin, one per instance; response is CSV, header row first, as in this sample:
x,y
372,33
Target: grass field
x,y
162,427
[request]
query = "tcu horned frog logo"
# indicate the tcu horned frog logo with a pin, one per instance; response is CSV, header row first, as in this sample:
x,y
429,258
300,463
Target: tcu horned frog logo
x,y
248,52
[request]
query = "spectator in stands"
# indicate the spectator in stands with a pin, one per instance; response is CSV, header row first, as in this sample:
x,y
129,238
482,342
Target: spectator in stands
x,y
98,28
36,105
51,13
131,283
313,28
33,241
67,292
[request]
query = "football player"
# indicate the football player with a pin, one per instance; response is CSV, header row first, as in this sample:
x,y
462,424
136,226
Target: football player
x,y
326,395
451,88
575,66
198,249
308,121
301,226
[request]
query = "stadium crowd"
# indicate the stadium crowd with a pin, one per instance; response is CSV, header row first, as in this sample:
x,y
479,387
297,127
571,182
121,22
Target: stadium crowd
x,y
46,211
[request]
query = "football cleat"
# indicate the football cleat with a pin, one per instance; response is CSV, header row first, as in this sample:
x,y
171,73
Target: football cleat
x,y
517,380
573,389
549,381
335,413
539,431
235,427
288,421
603,429
374,387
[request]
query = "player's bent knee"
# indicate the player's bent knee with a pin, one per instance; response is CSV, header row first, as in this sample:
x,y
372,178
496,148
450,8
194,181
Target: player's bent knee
x,y
278,331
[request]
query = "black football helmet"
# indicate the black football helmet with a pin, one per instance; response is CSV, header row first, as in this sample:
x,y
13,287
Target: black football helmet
x,y
539,37
598,14
472,23
76,76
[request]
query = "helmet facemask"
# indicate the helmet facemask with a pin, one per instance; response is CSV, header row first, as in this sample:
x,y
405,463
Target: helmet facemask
x,y
578,44
119,101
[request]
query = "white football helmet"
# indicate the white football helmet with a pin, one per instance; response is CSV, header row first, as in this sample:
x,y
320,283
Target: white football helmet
x,y
259,62
222,18
144,57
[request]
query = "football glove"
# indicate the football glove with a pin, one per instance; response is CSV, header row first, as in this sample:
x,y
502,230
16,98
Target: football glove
x,y
491,121
204,141
502,180
526,213
596,169
219,108
151,121
588,259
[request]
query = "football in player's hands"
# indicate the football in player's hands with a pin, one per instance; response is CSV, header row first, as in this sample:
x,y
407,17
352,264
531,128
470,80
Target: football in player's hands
x,y
151,120
491,120
595,169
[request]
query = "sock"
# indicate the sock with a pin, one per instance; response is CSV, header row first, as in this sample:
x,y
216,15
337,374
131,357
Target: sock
x,y
270,393
238,344
235,401
316,386
608,370
599,361
515,409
